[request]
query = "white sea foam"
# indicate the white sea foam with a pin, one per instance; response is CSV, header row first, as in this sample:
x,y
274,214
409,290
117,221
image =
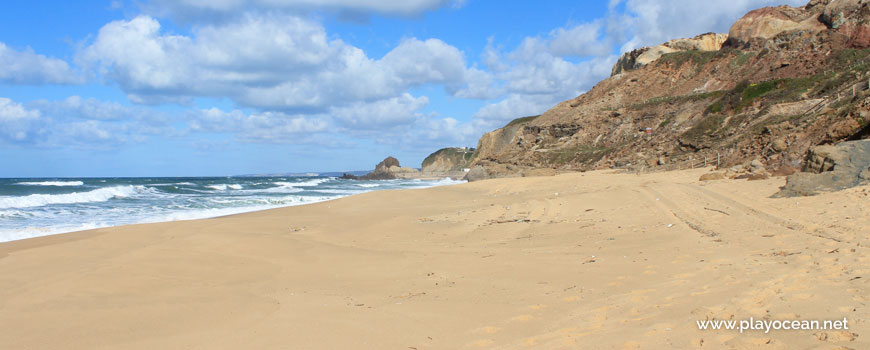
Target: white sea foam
x,y
98,195
29,216
52,183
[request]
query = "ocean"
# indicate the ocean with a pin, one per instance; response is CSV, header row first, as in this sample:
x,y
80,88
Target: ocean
x,y
39,207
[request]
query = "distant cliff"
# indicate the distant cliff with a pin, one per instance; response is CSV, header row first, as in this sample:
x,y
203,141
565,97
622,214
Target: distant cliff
x,y
447,160
782,80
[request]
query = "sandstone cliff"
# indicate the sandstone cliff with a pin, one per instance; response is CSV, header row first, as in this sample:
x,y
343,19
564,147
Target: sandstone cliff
x,y
785,79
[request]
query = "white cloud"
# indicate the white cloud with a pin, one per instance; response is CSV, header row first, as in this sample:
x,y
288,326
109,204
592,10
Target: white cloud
x,y
581,40
386,113
269,62
199,8
87,108
17,123
534,79
78,122
272,127
28,67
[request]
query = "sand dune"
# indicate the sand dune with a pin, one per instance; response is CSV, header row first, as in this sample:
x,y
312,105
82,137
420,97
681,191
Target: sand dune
x,y
578,261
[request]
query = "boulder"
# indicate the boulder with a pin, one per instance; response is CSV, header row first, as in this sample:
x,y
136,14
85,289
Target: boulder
x,y
830,168
768,22
388,169
385,165
477,173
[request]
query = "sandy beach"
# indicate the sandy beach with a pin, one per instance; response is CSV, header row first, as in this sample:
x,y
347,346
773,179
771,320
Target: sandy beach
x,y
593,260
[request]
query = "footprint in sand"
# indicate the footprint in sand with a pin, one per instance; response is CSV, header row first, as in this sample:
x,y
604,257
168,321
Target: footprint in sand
x,y
571,298
837,336
537,307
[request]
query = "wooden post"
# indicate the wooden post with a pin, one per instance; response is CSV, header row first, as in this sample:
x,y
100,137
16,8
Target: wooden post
x,y
691,162
718,165
705,161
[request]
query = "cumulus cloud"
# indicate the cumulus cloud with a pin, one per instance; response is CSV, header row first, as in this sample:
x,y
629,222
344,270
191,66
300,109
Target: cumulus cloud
x,y
18,123
534,78
396,111
270,62
28,67
272,127
79,122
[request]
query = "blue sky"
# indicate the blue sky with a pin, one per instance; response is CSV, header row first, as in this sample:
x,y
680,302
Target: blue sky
x,y
223,87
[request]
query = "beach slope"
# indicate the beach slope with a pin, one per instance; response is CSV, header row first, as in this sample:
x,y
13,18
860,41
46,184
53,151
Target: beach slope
x,y
592,260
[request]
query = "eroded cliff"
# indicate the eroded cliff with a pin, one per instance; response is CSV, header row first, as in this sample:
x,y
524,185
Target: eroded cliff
x,y
784,79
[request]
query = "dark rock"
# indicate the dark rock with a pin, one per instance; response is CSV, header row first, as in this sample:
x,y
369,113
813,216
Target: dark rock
x,y
384,165
830,168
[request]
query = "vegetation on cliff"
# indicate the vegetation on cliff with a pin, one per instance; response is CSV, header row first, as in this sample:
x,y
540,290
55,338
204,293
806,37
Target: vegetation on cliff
x,y
785,80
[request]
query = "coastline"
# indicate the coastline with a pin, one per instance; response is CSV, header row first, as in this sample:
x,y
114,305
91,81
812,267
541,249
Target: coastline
x,y
597,259
29,232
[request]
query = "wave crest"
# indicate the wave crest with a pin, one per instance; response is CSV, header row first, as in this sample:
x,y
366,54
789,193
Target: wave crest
x,y
98,195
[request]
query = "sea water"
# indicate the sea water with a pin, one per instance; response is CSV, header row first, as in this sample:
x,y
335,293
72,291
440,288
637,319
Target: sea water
x,y
39,207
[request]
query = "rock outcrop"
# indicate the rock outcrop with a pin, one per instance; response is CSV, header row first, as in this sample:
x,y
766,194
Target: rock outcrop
x,y
388,169
641,57
786,80
766,23
831,168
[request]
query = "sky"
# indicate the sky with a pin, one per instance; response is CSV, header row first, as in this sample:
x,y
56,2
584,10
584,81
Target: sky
x,y
230,87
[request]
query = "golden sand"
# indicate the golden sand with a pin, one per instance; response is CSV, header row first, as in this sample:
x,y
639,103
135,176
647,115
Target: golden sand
x,y
578,261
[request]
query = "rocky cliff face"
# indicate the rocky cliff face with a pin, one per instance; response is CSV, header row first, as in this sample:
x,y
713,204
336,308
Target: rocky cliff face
x,y
784,80
641,57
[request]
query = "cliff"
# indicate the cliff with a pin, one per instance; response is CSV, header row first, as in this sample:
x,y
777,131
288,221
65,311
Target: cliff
x,y
781,81
448,161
